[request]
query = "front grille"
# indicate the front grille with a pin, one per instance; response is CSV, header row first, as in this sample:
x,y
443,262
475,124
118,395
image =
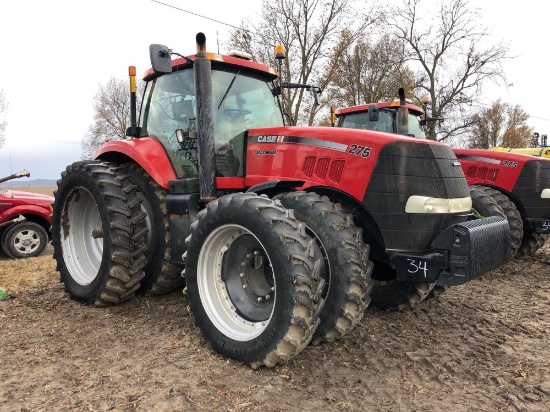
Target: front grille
x,y
534,177
403,169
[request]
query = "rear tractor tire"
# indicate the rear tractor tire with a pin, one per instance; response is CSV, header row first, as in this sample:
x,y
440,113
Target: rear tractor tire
x,y
253,279
24,240
98,233
161,275
347,269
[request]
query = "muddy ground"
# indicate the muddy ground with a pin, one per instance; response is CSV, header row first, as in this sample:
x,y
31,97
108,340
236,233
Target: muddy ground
x,y
481,346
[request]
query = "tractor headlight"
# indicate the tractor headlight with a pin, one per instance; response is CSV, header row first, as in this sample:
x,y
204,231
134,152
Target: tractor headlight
x,y
545,194
425,204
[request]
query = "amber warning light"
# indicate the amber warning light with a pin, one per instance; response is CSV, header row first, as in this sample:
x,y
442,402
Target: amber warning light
x,y
132,73
279,51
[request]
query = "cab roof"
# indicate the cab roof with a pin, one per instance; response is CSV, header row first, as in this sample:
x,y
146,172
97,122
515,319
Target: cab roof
x,y
217,61
381,105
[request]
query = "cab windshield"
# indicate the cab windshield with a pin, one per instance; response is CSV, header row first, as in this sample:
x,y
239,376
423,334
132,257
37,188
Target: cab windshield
x,y
386,122
240,101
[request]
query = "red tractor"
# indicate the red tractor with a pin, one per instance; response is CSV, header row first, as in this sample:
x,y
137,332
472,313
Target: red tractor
x,y
520,184
25,220
275,227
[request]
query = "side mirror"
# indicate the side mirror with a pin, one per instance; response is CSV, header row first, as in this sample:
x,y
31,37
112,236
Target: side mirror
x,y
161,62
315,90
374,113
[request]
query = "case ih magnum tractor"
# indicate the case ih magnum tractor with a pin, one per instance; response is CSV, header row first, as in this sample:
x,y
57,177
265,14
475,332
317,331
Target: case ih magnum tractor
x,y
273,225
520,184
25,220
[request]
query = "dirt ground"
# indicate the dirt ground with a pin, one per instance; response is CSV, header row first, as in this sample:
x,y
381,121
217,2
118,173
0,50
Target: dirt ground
x,y
482,346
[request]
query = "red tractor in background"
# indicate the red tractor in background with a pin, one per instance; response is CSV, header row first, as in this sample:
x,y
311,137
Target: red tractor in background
x,y
25,220
519,183
276,227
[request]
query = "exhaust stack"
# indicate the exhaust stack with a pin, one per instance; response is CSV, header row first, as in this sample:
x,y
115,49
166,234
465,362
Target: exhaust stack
x,y
402,113
205,123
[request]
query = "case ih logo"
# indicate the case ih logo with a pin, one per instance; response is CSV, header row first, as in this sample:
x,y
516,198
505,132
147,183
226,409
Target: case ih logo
x,y
301,140
270,139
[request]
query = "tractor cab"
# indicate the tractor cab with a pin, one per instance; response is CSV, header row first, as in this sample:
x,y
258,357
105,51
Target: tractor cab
x,y
243,97
381,117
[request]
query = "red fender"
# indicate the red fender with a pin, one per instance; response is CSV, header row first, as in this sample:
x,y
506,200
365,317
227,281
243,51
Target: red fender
x,y
146,151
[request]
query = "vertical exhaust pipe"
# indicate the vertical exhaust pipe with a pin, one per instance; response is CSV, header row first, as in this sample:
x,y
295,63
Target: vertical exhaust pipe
x,y
133,110
205,123
402,113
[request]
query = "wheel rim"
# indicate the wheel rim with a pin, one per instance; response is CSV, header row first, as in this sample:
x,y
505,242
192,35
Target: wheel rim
x,y
81,249
26,241
236,282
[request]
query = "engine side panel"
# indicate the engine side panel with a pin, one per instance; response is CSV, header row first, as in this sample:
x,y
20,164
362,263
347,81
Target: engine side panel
x,y
489,167
378,169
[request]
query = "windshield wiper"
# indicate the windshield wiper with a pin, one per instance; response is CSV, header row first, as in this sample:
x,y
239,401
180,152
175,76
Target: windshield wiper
x,y
228,88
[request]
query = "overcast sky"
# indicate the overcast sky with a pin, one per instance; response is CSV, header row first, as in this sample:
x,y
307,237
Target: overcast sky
x,y
53,55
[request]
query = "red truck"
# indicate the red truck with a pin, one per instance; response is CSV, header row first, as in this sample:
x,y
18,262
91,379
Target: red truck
x,y
25,220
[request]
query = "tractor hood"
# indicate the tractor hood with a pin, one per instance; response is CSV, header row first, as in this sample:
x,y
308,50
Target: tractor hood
x,y
18,198
330,134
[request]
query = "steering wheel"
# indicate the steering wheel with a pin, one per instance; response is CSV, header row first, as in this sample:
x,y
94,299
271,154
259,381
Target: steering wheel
x,y
234,113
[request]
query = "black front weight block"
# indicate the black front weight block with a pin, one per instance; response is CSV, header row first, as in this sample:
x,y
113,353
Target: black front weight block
x,y
462,252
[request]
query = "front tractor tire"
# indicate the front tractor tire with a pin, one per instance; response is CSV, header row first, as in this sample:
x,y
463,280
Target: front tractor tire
x,y
98,233
531,242
253,279
393,294
512,215
161,275
347,269
24,240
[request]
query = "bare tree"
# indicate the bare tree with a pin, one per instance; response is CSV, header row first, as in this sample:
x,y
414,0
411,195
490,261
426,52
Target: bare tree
x,y
370,71
309,30
3,123
455,56
500,125
112,115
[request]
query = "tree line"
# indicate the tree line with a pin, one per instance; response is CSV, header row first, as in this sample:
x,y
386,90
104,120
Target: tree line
x,y
361,55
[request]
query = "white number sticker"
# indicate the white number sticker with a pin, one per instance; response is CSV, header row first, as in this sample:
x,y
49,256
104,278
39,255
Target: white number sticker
x,y
415,267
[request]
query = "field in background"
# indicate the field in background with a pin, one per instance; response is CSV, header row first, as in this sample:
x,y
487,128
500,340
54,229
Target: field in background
x,y
45,190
